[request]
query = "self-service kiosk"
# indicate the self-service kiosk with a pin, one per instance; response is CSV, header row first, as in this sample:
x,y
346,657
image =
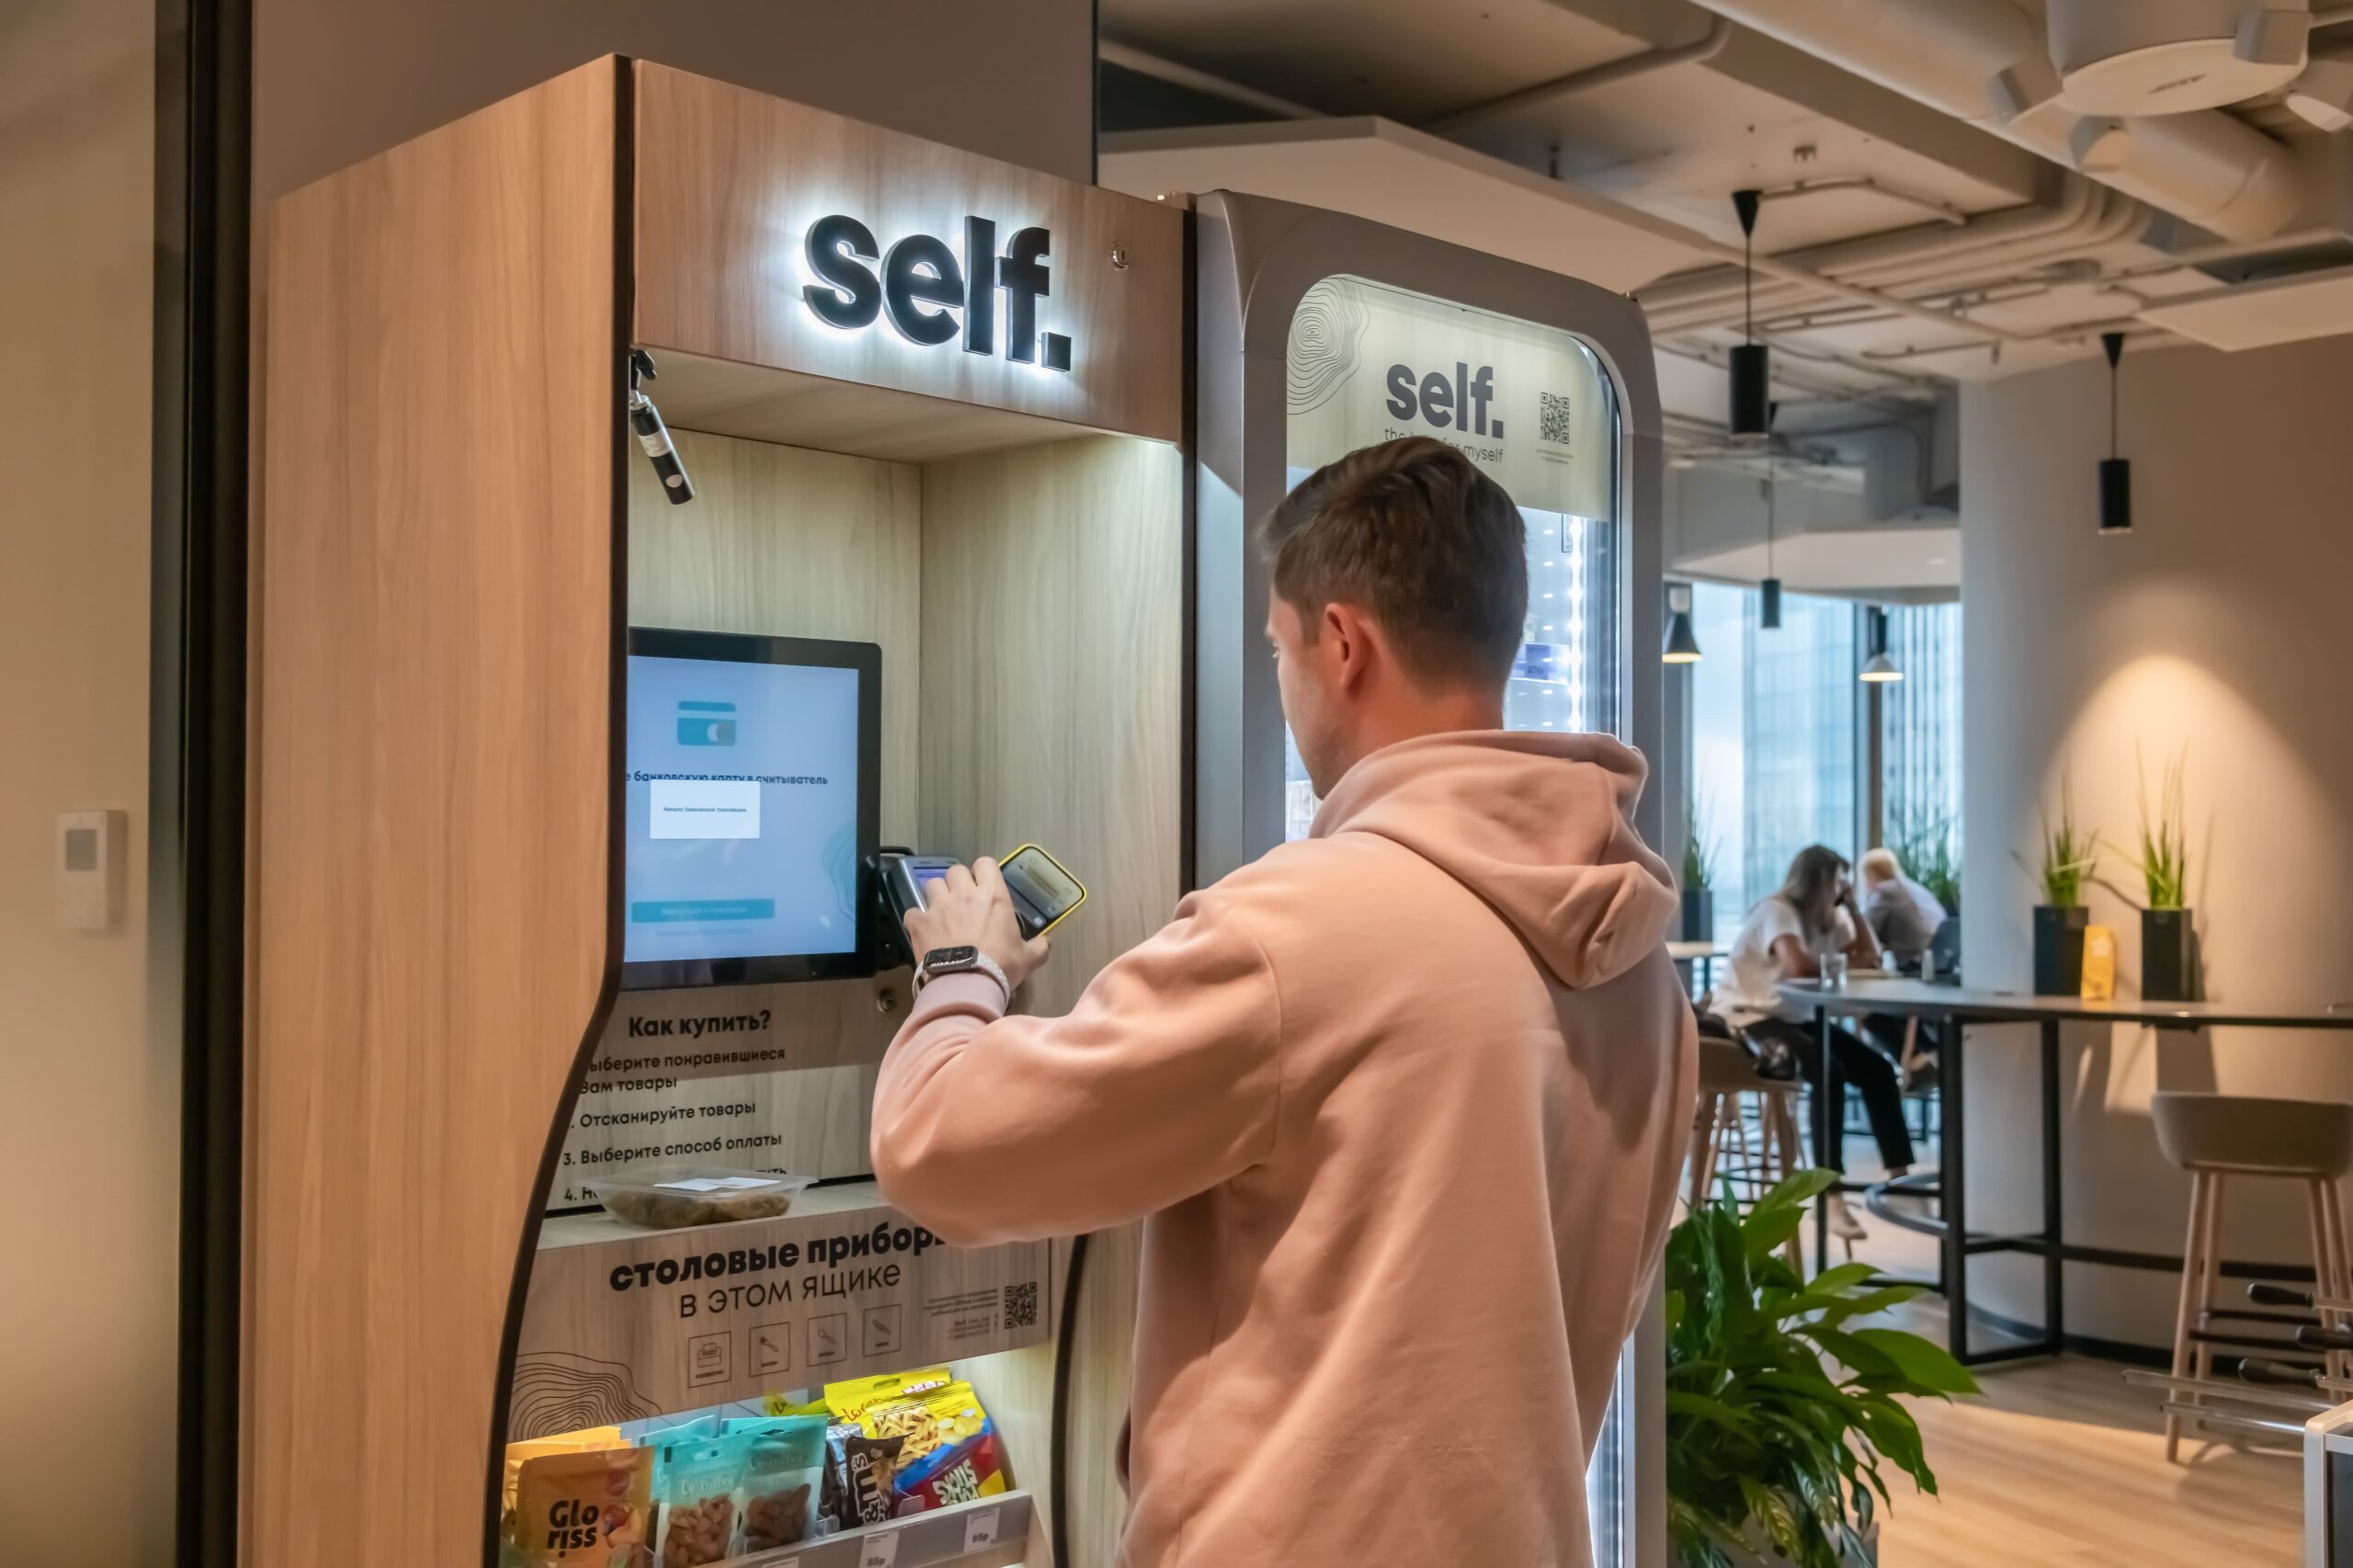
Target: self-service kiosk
x,y
674,496
674,499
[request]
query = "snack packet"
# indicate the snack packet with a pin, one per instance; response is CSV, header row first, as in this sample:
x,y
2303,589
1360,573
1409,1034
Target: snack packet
x,y
858,1474
589,1509
784,1463
696,1485
965,1460
847,1402
589,1440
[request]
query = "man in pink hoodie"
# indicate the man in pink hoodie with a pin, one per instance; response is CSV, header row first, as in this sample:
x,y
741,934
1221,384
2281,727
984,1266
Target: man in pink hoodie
x,y
1401,1106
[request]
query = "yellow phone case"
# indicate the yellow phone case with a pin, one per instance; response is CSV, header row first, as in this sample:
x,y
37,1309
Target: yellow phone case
x,y
1066,871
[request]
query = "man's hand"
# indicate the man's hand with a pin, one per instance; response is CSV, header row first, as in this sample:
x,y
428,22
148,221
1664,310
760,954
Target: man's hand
x,y
973,909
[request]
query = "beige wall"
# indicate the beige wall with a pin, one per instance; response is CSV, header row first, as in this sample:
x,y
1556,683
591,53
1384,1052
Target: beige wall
x,y
89,1222
2217,624
336,81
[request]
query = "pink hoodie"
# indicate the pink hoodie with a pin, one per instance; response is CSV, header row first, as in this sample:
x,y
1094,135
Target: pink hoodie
x,y
1402,1107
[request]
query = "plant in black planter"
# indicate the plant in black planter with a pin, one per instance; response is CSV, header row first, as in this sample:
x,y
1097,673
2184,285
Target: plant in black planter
x,y
2168,942
2068,856
1779,1413
1699,874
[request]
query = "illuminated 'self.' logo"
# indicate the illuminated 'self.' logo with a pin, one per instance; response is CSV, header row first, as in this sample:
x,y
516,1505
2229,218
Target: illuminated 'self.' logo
x,y
923,285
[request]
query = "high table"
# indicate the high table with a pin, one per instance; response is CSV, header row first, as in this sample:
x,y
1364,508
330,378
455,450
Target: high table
x,y
1953,1009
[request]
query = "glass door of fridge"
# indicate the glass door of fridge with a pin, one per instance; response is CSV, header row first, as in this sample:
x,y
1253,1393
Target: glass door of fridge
x,y
1534,408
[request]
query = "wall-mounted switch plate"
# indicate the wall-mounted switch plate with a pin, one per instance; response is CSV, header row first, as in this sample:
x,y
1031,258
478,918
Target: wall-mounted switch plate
x,y
91,849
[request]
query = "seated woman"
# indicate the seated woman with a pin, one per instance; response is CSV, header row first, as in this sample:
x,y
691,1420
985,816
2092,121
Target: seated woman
x,y
1782,940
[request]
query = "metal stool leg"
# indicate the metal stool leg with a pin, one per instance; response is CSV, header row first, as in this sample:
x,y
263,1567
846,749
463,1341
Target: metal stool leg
x,y
2193,1276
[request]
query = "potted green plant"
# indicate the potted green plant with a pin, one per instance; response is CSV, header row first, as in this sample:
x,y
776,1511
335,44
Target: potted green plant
x,y
2168,941
1780,1411
1699,874
2069,855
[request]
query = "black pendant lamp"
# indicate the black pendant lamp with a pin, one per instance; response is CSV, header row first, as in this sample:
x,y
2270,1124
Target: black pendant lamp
x,y
1878,669
1682,647
1768,592
2115,472
1752,418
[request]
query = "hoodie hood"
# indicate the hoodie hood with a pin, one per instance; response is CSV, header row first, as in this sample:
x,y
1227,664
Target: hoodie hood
x,y
1538,825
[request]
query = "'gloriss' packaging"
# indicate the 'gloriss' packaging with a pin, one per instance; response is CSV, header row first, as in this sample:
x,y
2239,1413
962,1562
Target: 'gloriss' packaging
x,y
697,1484
584,1510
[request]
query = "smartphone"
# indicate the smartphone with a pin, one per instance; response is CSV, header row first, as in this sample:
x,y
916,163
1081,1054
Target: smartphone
x,y
1044,893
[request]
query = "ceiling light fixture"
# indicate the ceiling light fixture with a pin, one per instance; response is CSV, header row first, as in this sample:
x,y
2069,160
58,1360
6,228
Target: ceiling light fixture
x,y
1752,419
2115,472
1682,648
1879,668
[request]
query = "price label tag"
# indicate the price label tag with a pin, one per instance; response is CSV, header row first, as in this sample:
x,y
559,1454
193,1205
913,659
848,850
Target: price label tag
x,y
980,1529
881,1549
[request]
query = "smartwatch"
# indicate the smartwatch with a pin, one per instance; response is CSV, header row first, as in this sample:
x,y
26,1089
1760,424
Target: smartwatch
x,y
961,961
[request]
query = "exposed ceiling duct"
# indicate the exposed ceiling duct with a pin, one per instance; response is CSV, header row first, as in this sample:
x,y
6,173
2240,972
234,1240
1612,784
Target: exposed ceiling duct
x,y
1987,63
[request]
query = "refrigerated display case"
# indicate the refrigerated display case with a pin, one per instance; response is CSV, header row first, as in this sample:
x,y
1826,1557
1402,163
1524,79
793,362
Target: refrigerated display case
x,y
1318,333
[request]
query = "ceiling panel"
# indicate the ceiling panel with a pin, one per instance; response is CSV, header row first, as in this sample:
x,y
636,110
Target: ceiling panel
x,y
1407,58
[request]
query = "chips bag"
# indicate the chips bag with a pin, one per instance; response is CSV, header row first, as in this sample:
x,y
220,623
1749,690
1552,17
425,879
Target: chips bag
x,y
589,1509
963,1458
847,1402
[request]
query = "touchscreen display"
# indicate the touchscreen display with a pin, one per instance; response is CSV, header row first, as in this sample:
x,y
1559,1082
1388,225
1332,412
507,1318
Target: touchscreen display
x,y
743,801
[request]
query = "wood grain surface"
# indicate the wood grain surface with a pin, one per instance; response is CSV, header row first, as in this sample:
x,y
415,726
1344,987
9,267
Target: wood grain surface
x,y
1051,693
788,543
797,410
433,592
729,181
2061,1464
1052,709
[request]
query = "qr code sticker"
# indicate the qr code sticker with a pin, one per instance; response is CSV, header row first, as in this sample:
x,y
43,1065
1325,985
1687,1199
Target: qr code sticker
x,y
1021,1305
1553,416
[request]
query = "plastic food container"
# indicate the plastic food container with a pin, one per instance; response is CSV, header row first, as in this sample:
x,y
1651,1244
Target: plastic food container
x,y
669,1197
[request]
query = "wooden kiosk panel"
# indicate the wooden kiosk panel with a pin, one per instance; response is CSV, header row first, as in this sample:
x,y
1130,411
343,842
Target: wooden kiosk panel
x,y
447,569
436,636
730,181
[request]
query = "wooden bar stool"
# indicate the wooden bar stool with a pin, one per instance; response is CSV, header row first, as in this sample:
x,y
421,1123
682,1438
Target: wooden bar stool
x,y
1727,1074
2215,1137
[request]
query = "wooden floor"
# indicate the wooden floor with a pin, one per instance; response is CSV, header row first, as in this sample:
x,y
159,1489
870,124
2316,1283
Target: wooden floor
x,y
2061,1465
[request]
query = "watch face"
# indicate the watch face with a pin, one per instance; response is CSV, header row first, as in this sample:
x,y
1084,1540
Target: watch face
x,y
941,959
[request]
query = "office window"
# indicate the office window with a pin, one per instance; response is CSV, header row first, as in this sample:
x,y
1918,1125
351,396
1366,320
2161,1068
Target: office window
x,y
1775,731
1920,757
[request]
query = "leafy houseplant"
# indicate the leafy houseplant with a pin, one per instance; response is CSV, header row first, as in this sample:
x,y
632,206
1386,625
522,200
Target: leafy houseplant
x,y
2169,966
1925,844
1699,873
2069,855
1779,1413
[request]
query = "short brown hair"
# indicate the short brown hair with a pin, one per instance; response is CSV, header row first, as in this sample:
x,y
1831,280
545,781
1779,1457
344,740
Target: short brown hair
x,y
1411,533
